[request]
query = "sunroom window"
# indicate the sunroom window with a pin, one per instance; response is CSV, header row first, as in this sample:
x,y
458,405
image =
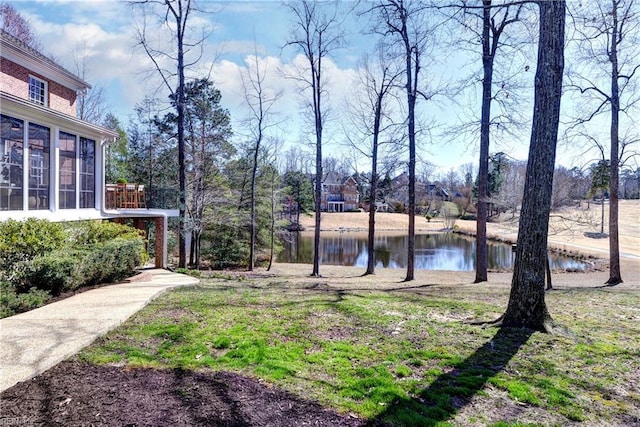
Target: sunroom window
x,y
11,152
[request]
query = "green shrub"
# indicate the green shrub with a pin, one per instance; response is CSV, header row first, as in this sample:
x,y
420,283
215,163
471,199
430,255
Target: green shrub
x,y
54,273
24,240
39,259
225,249
69,270
91,232
12,302
113,260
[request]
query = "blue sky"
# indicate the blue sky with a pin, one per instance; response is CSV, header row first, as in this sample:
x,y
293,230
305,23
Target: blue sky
x,y
104,30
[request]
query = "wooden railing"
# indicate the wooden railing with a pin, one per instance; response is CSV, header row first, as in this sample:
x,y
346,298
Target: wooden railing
x,y
125,196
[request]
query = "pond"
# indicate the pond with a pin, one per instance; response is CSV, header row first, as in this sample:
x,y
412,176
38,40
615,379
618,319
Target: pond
x,y
438,251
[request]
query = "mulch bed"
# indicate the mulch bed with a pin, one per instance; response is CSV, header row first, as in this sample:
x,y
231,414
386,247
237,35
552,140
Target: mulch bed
x,y
80,394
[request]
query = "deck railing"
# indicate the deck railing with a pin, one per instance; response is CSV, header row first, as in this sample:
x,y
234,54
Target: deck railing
x,y
125,196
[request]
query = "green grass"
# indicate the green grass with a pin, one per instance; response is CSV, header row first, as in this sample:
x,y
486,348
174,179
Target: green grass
x,y
401,357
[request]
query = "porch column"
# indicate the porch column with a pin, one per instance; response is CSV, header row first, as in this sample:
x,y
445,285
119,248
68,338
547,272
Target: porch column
x,y
138,223
161,242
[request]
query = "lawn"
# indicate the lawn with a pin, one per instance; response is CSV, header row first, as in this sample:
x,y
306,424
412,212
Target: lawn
x,y
403,354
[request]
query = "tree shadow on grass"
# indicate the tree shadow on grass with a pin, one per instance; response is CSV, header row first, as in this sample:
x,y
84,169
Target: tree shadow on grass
x,y
453,390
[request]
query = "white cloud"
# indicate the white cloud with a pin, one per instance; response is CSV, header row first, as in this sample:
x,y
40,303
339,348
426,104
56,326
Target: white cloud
x,y
104,29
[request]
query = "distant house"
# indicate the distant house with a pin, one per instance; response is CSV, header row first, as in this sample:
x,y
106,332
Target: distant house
x,y
426,193
400,189
339,194
435,191
382,207
52,164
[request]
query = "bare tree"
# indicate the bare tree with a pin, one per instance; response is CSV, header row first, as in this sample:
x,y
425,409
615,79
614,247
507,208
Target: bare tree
x,y
527,307
406,22
259,101
487,22
91,105
173,18
494,23
274,184
608,36
12,22
316,34
370,121
510,194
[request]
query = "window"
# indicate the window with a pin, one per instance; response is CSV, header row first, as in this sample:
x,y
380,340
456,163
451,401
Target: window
x,y
11,155
37,90
67,171
39,149
87,173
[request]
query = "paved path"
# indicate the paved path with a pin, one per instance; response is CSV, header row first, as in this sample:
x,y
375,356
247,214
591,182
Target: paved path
x,y
32,342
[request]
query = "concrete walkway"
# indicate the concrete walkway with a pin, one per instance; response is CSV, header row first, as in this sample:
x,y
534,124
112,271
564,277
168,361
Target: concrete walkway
x,y
32,342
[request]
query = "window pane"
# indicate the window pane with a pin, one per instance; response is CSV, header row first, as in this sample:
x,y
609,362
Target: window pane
x,y
87,173
39,152
37,90
67,171
11,163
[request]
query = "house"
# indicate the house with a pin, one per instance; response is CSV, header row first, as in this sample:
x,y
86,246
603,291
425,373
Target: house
x,y
382,207
435,191
399,191
339,194
425,192
52,164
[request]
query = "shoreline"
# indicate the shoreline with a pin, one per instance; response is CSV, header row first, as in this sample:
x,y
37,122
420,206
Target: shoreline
x,y
564,236
567,239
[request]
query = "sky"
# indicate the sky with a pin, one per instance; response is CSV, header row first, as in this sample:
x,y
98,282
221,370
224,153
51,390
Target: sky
x,y
105,32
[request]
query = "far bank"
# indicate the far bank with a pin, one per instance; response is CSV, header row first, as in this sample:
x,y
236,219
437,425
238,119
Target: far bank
x,y
569,228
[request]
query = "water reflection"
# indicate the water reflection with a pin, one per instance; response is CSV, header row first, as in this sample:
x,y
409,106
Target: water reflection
x,y
440,251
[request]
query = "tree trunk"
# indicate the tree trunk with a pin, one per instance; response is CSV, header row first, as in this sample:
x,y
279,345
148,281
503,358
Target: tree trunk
x,y
318,207
412,81
527,307
252,238
602,213
615,276
371,238
483,168
192,251
371,256
198,245
317,109
298,210
182,260
549,279
273,220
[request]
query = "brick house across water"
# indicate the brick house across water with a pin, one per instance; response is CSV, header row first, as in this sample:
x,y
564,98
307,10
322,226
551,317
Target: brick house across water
x,y
339,194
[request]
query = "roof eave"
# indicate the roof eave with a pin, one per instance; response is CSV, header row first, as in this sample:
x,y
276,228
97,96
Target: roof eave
x,y
41,65
7,101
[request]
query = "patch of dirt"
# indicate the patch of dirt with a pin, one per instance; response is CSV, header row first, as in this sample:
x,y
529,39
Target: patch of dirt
x,y
79,394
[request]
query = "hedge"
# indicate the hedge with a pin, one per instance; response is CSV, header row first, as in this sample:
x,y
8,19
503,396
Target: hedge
x,y
40,259
25,240
69,270
12,302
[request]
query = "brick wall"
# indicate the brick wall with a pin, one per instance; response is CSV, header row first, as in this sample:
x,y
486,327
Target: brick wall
x,y
14,79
